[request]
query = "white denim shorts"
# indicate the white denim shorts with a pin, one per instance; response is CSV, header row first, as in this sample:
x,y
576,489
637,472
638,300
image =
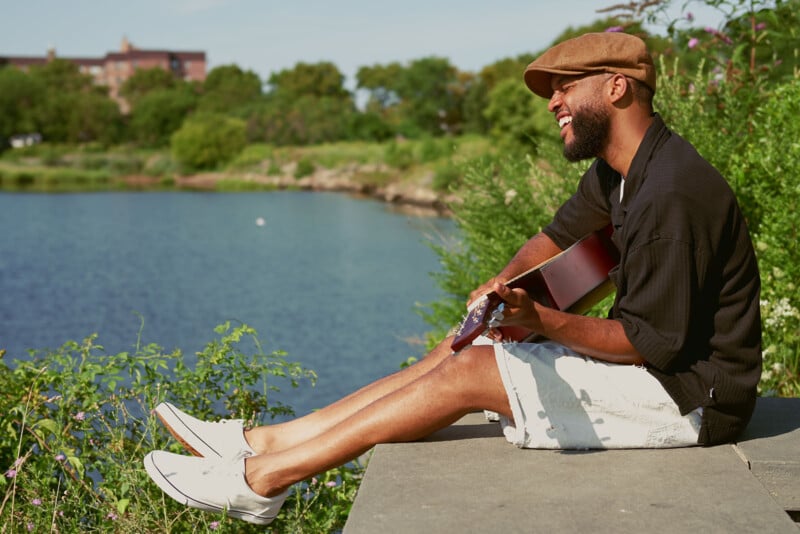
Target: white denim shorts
x,y
563,400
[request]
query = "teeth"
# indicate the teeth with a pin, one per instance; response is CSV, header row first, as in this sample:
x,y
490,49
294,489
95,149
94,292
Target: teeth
x,y
563,121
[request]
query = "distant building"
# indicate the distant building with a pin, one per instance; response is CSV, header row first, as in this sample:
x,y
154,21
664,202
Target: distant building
x,y
116,67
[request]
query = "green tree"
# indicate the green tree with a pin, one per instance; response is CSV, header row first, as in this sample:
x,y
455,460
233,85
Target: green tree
x,y
517,117
428,88
227,89
159,113
310,79
476,98
379,81
19,95
306,104
145,81
208,140
72,109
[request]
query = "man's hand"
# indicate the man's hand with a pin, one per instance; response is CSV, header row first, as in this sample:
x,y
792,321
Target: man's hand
x,y
484,288
518,310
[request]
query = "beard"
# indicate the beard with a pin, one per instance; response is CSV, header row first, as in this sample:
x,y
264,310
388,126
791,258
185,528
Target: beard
x,y
590,128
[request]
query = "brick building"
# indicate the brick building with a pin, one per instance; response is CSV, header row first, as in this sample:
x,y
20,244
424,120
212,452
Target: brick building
x,y
116,67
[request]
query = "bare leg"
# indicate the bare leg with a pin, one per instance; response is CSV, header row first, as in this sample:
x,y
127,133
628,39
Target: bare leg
x,y
273,438
456,386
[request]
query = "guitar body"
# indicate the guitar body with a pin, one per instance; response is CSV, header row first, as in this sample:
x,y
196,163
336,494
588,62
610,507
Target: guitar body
x,y
572,281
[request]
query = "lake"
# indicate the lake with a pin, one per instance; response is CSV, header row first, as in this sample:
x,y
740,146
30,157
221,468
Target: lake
x,y
331,279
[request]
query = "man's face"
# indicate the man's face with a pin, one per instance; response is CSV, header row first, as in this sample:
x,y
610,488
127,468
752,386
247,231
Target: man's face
x,y
580,113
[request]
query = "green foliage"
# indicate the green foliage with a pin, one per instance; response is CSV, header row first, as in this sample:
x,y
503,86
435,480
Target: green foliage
x,y
207,141
52,180
158,114
76,423
252,156
227,88
146,81
305,167
71,109
19,94
517,117
301,120
399,154
426,88
310,79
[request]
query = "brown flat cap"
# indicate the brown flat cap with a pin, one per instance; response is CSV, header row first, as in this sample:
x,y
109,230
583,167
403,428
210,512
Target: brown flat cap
x,y
611,52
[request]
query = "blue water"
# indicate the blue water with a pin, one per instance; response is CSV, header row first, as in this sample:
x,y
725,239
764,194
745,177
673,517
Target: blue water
x,y
330,279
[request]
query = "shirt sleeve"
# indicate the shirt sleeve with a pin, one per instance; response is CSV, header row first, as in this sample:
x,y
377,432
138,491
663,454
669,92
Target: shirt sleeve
x,y
584,212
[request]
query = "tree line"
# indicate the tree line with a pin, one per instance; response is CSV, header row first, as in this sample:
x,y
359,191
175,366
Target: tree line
x,y
309,104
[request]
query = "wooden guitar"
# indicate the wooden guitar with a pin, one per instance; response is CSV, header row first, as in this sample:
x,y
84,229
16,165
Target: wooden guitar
x,y
572,281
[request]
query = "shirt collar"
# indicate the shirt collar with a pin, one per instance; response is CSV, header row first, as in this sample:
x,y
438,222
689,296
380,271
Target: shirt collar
x,y
655,136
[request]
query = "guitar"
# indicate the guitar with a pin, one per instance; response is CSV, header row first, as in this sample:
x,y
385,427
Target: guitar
x,y
572,281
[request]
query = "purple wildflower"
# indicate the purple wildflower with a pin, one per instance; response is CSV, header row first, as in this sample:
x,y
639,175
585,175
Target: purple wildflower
x,y
761,26
689,16
60,457
331,484
214,525
615,29
693,42
36,502
112,516
11,473
80,416
709,29
30,526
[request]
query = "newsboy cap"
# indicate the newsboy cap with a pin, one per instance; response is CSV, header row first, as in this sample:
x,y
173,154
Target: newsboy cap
x,y
611,52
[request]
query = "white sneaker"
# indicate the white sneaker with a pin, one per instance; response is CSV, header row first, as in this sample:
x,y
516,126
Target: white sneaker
x,y
223,439
213,485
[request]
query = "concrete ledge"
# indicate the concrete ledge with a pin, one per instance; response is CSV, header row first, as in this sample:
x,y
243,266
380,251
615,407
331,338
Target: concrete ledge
x,y
467,478
771,448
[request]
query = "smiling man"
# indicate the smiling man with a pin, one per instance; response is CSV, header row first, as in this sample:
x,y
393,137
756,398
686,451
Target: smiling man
x,y
675,363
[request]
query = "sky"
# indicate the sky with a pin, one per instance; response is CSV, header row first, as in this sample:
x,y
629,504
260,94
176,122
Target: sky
x,y
267,36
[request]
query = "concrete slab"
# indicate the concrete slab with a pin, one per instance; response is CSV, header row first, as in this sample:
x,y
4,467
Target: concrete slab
x,y
467,478
771,447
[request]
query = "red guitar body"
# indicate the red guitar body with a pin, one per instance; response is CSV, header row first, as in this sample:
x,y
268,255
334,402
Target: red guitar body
x,y
572,281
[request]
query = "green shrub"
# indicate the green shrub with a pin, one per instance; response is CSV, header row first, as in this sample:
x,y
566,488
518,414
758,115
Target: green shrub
x,y
252,155
305,167
208,141
399,154
447,177
76,423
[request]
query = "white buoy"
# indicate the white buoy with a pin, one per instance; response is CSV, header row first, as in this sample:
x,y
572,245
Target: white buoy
x,y
260,221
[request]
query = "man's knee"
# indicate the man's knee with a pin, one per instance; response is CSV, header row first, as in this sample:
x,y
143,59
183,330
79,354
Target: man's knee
x,y
472,360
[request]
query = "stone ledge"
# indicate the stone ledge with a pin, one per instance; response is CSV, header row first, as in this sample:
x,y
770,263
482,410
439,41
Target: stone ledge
x,y
467,478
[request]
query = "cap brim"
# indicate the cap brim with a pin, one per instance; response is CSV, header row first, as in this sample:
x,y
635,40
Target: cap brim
x,y
540,80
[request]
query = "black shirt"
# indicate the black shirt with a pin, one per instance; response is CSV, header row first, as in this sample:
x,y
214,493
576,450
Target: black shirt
x,y
687,283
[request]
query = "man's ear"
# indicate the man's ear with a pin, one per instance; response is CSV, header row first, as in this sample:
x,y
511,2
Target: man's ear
x,y
618,88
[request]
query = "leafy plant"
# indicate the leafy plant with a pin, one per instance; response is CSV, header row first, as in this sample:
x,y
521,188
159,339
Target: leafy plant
x,y
206,141
76,423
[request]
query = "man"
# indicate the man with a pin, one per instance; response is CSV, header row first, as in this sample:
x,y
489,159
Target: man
x,y
676,363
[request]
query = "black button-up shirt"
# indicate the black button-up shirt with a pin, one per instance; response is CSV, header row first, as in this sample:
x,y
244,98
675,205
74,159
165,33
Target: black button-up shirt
x,y
687,283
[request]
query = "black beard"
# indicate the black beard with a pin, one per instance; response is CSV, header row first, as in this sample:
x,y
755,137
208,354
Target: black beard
x,y
590,129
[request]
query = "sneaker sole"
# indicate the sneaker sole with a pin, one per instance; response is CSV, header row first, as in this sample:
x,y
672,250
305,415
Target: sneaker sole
x,y
166,486
171,420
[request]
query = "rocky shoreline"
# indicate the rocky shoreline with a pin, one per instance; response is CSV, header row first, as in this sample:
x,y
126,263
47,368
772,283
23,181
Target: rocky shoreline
x,y
414,196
